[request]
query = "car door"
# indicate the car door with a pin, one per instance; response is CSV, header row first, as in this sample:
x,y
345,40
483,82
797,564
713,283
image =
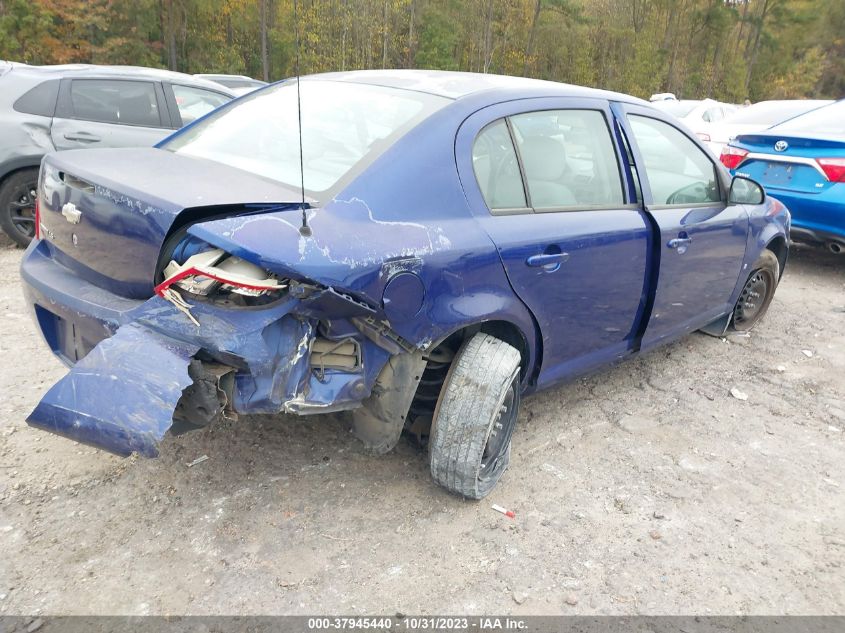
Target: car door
x,y
543,177
109,113
702,238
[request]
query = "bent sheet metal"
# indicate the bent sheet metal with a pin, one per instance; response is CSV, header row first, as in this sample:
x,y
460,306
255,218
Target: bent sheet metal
x,y
121,396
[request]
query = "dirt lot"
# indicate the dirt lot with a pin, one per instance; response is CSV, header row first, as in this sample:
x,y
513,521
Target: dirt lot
x,y
646,488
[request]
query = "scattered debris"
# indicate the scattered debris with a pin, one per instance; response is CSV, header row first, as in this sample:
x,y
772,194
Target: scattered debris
x,y
553,470
35,625
655,535
781,368
807,353
508,513
520,596
198,460
658,515
834,429
572,599
739,395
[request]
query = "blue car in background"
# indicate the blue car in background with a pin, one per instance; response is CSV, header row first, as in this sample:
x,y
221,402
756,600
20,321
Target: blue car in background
x,y
454,242
802,163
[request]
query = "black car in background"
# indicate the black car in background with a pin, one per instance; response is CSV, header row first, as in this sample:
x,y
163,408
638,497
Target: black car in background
x,y
49,108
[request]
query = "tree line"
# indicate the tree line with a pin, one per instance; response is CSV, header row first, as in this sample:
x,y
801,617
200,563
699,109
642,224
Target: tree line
x,y
725,49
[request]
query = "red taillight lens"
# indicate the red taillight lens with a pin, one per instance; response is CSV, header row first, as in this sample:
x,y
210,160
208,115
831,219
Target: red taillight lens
x,y
732,156
833,168
37,219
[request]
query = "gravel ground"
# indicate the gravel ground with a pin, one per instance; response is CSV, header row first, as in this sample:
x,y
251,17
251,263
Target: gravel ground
x,y
646,488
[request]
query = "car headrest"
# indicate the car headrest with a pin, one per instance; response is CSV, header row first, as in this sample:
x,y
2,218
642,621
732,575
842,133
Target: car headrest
x,y
544,158
137,109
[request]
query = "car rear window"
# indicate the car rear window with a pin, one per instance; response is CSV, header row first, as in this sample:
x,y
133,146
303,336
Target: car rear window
x,y
771,112
40,100
345,126
826,121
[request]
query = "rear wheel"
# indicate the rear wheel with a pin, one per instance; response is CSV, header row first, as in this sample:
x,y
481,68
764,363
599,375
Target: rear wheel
x,y
757,293
17,205
475,417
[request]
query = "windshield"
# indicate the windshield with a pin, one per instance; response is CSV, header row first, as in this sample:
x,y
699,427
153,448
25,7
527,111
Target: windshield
x,y
676,108
826,121
771,112
345,126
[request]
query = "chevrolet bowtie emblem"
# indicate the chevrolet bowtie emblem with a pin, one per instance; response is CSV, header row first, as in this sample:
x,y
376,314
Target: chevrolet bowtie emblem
x,y
71,213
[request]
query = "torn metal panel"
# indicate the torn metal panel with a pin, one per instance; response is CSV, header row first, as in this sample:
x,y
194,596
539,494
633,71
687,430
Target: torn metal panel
x,y
379,422
207,399
122,395
320,302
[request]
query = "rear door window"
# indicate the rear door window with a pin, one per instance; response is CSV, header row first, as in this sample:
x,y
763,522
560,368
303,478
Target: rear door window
x,y
568,158
115,101
40,100
193,103
497,169
678,172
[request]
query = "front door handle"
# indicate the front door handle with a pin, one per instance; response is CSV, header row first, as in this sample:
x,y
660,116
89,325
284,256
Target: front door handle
x,y
549,261
84,137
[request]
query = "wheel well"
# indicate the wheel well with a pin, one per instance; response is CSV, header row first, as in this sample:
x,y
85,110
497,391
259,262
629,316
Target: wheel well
x,y
779,247
504,330
14,171
439,358
511,335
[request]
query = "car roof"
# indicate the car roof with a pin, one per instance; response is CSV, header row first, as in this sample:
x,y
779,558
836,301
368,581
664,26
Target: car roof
x,y
95,70
457,85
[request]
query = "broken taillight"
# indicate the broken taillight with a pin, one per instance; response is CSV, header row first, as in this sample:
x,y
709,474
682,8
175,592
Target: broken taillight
x,y
220,277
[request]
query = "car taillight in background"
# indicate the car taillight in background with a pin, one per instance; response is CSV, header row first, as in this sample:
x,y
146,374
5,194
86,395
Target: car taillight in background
x,y
732,156
833,168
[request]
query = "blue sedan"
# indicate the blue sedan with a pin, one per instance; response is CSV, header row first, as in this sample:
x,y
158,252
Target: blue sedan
x,y
430,249
802,163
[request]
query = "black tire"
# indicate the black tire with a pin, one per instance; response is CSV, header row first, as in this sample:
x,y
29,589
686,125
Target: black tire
x,y
757,293
17,206
475,417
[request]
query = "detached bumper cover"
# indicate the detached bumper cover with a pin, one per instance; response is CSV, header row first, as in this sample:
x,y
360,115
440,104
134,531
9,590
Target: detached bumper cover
x,y
121,396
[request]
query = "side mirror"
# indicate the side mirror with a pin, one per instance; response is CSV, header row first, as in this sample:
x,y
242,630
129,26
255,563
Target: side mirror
x,y
746,191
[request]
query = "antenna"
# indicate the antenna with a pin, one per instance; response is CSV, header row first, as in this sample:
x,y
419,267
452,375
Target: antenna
x,y
304,230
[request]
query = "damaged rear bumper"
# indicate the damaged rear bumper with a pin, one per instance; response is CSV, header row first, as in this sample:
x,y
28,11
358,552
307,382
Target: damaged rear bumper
x,y
129,359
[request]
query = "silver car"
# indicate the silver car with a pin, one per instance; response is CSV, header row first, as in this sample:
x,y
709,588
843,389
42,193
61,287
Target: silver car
x,y
49,108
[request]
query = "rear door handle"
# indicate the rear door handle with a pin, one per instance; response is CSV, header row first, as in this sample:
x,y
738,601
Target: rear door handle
x,y
681,242
84,137
549,261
